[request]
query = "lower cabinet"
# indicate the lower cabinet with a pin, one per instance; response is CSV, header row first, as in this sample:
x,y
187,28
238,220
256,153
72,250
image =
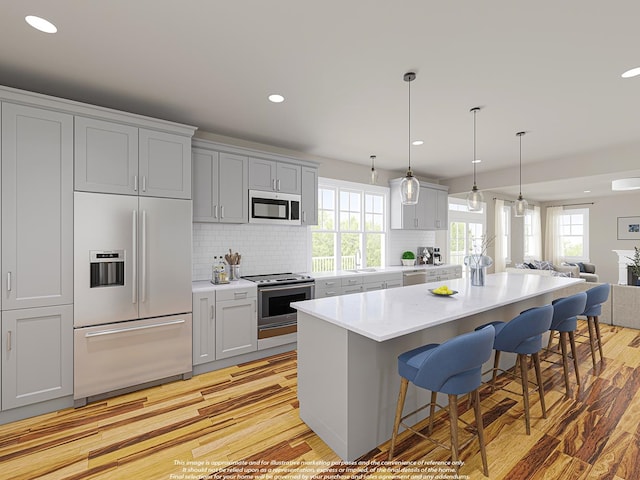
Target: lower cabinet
x,y
236,322
204,327
37,355
225,323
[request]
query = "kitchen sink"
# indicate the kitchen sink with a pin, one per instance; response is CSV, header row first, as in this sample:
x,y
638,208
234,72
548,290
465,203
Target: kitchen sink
x,y
362,270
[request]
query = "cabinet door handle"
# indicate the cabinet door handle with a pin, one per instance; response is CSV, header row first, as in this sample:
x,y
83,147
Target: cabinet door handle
x,y
304,217
215,211
8,281
278,184
134,257
222,212
273,183
144,183
212,312
9,342
135,183
240,294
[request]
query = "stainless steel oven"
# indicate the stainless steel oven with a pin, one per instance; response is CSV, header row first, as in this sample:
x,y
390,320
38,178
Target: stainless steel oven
x,y
275,294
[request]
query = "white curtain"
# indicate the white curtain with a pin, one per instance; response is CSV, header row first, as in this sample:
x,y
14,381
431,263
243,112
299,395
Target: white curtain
x,y
536,225
552,246
499,263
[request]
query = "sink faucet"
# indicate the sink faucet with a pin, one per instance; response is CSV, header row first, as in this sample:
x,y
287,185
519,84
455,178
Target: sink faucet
x,y
358,258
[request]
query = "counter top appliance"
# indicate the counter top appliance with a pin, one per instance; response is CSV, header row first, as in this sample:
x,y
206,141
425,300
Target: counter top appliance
x,y
276,292
132,291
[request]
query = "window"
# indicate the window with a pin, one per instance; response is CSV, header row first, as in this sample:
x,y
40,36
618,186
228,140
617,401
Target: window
x,y
574,234
532,235
505,218
465,229
358,238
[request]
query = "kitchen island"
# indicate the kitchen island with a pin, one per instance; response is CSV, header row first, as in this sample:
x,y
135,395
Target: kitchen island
x,y
348,348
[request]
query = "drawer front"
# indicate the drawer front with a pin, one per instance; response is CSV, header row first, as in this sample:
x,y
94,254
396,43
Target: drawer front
x,y
236,293
331,291
328,284
350,281
114,356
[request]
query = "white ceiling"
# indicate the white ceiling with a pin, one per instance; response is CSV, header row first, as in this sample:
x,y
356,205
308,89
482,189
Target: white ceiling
x,y
549,68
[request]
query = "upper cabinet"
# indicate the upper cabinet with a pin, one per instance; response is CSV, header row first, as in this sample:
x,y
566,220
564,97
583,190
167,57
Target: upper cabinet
x,y
274,176
111,157
309,201
37,207
430,213
219,186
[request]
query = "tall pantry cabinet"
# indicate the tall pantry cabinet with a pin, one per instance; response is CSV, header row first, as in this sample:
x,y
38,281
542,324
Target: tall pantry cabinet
x,y
37,255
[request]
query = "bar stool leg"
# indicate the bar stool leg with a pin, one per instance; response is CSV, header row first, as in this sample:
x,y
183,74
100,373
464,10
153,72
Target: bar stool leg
x,y
453,419
525,390
565,360
572,340
432,410
596,323
536,364
480,428
496,362
404,384
591,340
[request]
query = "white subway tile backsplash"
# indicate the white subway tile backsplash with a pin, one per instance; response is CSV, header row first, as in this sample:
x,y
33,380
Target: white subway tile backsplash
x,y
264,248
275,248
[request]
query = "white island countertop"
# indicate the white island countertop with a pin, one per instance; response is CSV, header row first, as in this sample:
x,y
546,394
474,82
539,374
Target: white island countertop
x,y
385,314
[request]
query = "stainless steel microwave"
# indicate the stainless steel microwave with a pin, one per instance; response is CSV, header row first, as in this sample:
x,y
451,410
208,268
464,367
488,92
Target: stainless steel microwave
x,y
274,208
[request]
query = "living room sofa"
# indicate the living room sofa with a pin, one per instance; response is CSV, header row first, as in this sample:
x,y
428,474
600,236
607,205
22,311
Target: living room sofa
x,y
586,271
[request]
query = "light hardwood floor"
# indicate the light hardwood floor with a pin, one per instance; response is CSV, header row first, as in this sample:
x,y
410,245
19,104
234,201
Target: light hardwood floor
x,y
227,423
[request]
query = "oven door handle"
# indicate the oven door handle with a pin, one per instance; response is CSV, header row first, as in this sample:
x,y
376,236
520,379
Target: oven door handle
x,y
286,287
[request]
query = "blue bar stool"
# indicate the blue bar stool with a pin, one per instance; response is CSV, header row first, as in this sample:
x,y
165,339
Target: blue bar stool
x,y
523,336
565,311
596,296
453,367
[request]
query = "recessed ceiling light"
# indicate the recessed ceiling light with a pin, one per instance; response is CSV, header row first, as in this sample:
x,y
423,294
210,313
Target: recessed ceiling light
x,y
477,160
41,24
634,72
417,142
586,191
275,98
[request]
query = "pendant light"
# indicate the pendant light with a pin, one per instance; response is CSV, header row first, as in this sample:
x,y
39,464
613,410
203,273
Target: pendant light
x,y
374,172
475,197
409,187
520,205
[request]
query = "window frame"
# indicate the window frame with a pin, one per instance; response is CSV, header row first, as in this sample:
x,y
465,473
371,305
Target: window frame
x,y
461,214
567,212
363,189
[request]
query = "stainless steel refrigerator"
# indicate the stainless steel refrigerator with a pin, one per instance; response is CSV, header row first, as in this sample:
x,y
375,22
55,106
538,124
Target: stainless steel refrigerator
x,y
132,291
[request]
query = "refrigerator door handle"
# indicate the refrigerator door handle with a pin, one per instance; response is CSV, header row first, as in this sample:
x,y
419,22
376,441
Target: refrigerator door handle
x,y
134,259
143,265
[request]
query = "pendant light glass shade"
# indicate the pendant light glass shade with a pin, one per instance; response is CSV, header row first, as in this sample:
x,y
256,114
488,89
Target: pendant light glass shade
x,y
474,197
409,187
520,205
374,172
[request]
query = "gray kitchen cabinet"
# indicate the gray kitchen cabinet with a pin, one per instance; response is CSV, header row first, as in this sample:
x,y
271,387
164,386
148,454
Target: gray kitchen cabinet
x,y
382,281
309,200
219,186
270,175
204,327
112,157
236,322
430,213
164,164
37,207
106,156
37,355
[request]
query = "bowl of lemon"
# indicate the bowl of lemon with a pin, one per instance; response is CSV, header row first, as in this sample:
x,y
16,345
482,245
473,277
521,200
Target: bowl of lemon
x,y
443,291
